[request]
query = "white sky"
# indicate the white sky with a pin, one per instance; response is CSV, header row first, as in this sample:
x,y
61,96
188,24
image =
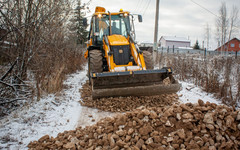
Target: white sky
x,y
181,18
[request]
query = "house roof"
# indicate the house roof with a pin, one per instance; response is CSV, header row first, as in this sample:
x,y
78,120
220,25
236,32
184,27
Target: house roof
x,y
174,38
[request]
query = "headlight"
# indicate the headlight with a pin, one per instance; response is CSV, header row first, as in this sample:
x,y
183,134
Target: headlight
x,y
99,15
125,14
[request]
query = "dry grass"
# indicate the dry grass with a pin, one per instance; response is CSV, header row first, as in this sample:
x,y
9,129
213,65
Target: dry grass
x,y
215,74
46,73
53,68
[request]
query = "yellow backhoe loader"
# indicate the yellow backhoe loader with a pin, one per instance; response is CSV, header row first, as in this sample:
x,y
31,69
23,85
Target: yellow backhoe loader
x,y
116,65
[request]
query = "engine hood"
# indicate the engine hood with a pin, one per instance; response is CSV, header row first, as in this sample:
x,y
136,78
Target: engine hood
x,y
117,40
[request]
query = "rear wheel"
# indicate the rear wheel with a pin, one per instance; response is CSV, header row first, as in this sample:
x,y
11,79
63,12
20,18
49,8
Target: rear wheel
x,y
148,58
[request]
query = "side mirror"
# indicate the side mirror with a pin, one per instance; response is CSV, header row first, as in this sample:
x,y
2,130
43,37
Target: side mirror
x,y
139,18
85,22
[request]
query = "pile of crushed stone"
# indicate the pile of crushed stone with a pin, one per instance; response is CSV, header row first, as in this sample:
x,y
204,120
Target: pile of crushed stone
x,y
185,126
122,104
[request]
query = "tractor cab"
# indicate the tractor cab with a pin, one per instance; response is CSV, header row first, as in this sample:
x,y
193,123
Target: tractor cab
x,y
106,24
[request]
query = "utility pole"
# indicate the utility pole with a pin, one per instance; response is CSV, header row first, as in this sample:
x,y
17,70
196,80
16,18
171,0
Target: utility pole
x,y
203,45
156,25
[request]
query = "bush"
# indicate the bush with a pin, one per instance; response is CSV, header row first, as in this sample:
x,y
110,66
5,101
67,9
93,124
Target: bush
x,y
217,75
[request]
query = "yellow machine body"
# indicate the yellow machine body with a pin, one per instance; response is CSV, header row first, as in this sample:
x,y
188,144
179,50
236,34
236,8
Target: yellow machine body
x,y
124,71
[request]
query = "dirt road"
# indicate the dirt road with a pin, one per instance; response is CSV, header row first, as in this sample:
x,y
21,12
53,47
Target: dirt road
x,y
148,123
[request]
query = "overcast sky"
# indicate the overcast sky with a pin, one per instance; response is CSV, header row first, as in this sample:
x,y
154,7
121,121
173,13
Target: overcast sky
x,y
181,18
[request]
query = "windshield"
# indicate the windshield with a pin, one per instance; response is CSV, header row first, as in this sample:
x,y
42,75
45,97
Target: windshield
x,y
119,24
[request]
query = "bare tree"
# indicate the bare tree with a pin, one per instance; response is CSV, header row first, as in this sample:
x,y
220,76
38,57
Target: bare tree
x,y
36,28
226,26
40,46
207,34
222,24
233,22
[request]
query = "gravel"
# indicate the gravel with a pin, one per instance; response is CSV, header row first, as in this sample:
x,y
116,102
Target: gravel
x,y
123,104
178,126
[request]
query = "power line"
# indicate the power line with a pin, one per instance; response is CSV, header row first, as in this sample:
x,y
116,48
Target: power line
x,y
146,7
140,3
136,6
208,10
204,8
144,10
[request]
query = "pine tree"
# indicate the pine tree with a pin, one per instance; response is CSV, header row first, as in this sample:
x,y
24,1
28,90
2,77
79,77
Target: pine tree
x,y
78,30
196,46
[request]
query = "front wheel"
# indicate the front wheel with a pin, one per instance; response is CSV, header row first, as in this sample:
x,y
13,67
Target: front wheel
x,y
95,61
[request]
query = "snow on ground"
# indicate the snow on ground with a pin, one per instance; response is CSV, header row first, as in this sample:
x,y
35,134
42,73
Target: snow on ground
x,y
90,116
190,93
57,113
51,115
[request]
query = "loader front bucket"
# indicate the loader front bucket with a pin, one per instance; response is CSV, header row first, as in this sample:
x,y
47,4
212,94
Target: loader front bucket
x,y
133,83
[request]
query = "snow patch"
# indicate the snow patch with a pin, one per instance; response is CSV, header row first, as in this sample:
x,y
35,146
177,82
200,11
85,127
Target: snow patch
x,y
51,115
190,93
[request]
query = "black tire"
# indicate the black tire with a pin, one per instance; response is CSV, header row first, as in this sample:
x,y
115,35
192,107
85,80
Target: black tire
x,y
148,58
95,61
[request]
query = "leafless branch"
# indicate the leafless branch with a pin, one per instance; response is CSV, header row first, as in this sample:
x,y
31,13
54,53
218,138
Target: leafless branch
x,y
7,84
9,71
7,100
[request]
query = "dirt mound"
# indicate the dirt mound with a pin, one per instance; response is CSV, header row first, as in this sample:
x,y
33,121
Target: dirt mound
x,y
185,126
122,104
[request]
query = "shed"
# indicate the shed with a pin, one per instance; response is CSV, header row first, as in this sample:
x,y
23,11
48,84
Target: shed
x,y
170,41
